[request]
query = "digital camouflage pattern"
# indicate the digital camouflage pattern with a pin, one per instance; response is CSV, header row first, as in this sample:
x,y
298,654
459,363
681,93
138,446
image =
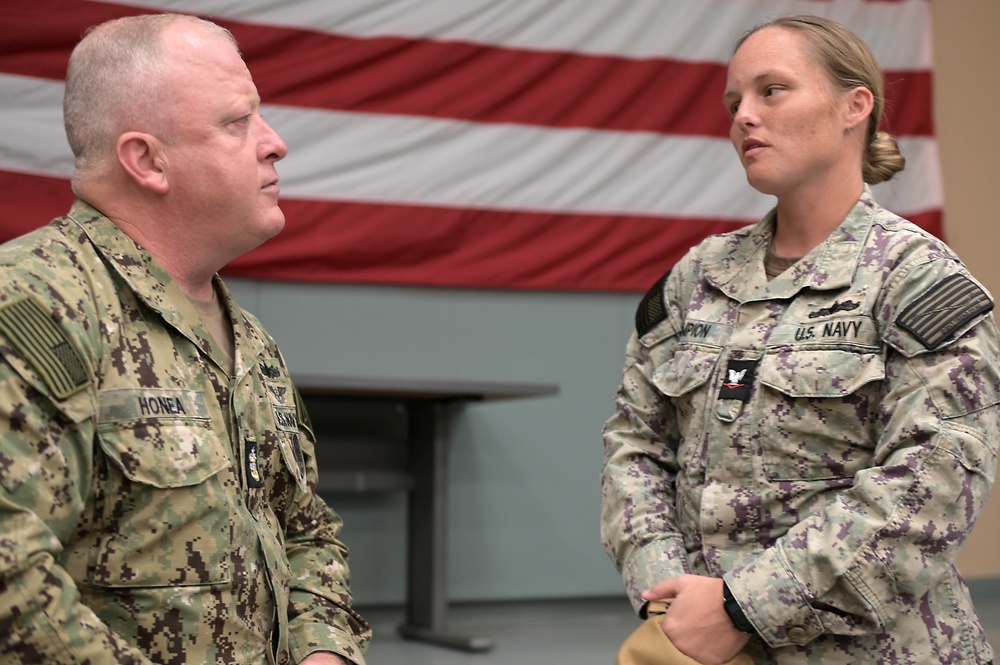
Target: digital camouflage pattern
x,y
824,441
153,509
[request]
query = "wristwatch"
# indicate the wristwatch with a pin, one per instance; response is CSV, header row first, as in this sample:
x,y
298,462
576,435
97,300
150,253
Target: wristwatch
x,y
735,612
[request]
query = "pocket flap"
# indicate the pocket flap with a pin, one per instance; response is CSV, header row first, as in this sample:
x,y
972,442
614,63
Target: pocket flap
x,y
164,454
821,372
689,368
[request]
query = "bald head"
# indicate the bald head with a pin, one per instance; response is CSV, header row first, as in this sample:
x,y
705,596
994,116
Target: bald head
x,y
115,83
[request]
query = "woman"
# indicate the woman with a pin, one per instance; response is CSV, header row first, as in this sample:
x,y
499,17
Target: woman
x,y
807,424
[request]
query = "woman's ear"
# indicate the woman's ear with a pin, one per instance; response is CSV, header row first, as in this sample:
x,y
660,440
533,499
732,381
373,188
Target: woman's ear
x,y
860,102
140,156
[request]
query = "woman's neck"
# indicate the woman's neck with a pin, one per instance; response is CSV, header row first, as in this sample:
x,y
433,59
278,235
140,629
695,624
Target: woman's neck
x,y
807,219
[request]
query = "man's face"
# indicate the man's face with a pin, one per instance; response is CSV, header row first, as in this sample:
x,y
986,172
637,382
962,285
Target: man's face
x,y
220,153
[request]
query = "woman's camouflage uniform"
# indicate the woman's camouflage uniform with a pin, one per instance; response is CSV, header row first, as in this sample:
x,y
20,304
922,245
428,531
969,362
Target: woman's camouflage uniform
x,y
824,441
152,508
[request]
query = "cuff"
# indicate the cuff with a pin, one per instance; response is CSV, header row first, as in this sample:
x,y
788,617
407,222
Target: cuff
x,y
306,639
657,561
773,600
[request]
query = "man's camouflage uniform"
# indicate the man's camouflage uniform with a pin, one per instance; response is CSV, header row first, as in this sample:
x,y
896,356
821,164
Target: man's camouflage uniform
x,y
823,441
152,508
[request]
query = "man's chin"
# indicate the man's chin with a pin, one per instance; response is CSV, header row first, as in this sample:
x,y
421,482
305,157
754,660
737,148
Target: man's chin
x,y
273,224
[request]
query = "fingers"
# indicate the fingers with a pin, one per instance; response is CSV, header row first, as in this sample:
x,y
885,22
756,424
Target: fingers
x,y
663,591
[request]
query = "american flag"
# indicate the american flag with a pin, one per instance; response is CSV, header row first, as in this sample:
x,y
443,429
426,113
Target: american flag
x,y
519,144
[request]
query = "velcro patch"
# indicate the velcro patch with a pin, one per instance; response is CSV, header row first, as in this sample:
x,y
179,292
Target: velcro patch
x,y
652,310
943,309
738,380
44,345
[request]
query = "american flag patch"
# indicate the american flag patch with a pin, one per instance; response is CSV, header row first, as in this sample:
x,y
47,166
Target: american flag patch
x,y
652,310
31,330
947,306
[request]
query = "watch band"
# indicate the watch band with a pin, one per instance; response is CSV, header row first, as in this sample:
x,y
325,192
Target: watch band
x,y
735,612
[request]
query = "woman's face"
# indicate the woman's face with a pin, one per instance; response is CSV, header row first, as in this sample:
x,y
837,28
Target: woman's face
x,y
789,122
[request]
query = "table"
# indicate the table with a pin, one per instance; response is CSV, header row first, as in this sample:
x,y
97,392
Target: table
x,y
425,479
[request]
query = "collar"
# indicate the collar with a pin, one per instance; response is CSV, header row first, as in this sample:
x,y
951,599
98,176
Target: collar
x,y
151,283
734,262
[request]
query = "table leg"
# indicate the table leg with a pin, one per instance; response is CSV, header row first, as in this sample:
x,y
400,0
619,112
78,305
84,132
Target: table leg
x,y
427,540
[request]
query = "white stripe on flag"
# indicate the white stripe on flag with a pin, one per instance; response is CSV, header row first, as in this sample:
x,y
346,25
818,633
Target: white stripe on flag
x,y
33,139
696,30
401,159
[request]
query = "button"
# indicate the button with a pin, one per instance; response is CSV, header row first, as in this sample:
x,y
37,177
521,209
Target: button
x,y
797,634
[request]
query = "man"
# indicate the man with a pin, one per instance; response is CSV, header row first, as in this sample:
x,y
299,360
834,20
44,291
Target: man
x,y
156,465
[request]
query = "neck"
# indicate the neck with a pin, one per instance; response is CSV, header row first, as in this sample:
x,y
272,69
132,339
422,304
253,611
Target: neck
x,y
174,251
806,219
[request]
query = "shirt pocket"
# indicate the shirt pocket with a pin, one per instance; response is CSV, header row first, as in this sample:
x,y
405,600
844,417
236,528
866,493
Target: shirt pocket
x,y
167,511
815,412
689,368
685,379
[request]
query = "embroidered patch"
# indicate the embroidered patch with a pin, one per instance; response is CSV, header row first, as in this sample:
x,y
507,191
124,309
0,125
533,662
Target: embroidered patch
x,y
845,306
124,404
31,330
285,418
652,310
947,306
738,380
255,477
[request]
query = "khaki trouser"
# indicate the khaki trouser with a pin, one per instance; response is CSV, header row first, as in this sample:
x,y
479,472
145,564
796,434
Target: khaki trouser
x,y
649,646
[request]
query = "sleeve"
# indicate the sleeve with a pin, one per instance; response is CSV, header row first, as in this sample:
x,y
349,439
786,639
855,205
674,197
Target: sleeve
x,y
321,617
46,460
878,550
638,514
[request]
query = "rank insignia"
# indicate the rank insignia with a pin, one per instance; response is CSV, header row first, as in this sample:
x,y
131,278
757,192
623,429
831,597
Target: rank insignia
x,y
738,380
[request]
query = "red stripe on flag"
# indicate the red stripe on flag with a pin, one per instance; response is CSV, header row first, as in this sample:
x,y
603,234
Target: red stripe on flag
x,y
453,80
435,246
502,85
31,201
398,244
38,35
432,246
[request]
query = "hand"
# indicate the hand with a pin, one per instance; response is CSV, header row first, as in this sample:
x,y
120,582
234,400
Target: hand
x,y
695,621
323,658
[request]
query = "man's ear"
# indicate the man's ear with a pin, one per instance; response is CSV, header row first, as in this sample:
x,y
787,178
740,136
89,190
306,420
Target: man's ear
x,y
860,102
140,157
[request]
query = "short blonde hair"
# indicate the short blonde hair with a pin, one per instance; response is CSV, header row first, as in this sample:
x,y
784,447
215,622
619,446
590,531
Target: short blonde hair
x,y
114,84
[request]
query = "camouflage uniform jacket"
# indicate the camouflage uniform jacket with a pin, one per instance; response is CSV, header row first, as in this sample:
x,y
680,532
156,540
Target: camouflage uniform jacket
x,y
152,507
823,441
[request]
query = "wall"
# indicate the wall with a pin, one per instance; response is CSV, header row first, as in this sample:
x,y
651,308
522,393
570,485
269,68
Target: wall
x,y
524,504
966,52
